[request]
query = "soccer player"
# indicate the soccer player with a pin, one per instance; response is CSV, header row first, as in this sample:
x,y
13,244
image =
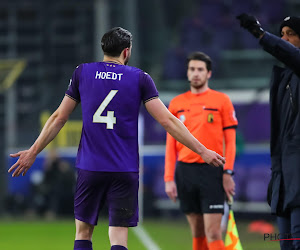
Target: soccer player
x,y
107,160
209,115
284,186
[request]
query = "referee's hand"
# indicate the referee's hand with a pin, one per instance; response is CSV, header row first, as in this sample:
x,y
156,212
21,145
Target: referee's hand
x,y
213,158
229,186
171,190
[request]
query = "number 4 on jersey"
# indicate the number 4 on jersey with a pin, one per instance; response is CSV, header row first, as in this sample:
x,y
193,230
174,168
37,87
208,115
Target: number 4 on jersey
x,y
109,119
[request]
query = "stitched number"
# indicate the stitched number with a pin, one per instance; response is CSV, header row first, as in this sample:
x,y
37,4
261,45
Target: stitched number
x,y
109,119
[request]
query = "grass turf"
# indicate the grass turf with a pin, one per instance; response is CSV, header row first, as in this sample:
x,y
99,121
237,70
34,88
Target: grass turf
x,y
59,235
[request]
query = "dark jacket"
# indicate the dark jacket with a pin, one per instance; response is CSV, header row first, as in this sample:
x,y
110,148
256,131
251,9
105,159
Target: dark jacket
x,y
284,187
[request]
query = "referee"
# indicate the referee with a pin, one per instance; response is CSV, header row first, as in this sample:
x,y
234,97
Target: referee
x,y
209,115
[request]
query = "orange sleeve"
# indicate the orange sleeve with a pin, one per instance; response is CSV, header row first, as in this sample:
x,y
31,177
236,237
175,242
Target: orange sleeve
x,y
171,154
228,114
230,147
170,158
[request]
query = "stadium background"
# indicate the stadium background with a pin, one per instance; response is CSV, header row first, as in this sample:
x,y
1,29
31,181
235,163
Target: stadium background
x,y
42,42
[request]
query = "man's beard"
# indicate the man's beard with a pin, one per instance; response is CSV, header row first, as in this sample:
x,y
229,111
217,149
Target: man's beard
x,y
198,85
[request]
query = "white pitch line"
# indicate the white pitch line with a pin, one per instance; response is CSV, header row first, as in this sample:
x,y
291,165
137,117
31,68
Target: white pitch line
x,y
144,237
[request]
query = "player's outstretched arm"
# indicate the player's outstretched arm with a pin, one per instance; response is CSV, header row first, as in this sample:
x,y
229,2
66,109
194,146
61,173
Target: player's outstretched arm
x,y
177,129
54,124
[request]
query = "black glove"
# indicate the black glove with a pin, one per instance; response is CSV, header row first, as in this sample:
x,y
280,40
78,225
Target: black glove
x,y
251,24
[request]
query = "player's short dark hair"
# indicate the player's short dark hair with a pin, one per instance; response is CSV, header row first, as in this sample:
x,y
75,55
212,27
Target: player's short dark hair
x,y
115,41
200,56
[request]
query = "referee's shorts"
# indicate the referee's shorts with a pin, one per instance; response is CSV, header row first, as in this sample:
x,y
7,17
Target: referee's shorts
x,y
200,188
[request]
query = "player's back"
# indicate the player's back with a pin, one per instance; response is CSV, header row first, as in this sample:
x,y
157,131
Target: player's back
x,y
110,96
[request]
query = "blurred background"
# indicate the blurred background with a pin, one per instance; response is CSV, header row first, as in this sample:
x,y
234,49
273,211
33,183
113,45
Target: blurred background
x,y
42,42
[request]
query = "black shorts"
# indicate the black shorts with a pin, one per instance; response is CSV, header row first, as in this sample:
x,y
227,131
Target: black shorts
x,y
200,188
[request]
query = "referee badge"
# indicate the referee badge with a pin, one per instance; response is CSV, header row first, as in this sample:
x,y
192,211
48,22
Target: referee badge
x,y
210,118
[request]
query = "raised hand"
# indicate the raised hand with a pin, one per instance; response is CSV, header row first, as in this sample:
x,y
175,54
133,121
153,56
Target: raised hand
x,y
251,24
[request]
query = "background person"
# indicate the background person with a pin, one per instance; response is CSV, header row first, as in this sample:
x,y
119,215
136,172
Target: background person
x,y
284,187
209,115
52,190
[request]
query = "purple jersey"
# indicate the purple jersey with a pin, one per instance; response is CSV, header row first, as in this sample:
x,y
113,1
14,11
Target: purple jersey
x,y
110,96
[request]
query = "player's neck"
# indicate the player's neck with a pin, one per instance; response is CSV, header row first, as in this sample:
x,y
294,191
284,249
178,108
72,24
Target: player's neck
x,y
117,60
199,90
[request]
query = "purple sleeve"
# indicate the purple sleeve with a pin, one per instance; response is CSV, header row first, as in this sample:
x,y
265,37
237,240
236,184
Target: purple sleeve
x,y
148,88
73,89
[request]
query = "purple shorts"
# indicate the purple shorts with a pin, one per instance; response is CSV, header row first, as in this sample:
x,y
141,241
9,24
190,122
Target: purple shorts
x,y
118,190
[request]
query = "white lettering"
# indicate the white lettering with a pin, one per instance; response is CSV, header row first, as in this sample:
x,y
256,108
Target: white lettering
x,y
219,206
98,75
108,75
114,76
120,75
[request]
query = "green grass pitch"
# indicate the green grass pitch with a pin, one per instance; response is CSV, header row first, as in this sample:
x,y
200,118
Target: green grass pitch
x,y
59,235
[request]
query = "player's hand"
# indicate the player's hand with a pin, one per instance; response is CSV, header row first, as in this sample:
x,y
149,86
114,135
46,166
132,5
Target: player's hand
x,y
251,24
229,186
25,161
171,190
213,158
